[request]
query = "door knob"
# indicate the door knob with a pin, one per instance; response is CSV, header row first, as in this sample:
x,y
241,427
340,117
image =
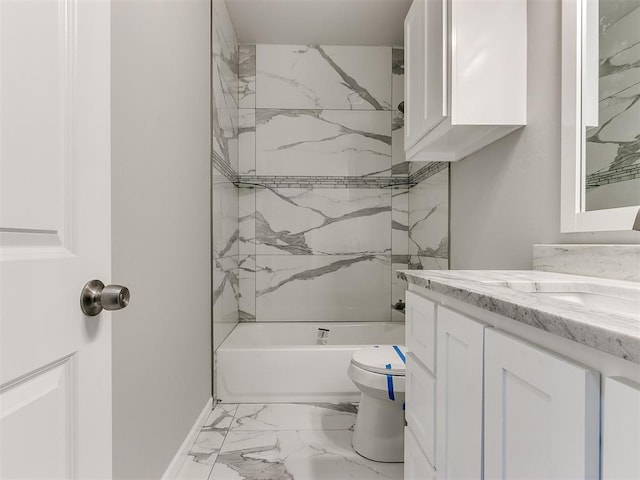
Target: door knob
x,y
95,296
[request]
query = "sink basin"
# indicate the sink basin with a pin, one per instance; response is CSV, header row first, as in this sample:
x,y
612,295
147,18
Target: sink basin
x,y
594,301
592,295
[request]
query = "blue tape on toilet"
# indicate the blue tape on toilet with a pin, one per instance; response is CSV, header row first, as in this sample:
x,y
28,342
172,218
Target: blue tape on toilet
x,y
400,354
390,383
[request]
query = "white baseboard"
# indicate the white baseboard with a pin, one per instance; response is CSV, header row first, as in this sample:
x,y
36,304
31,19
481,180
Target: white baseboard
x,y
174,467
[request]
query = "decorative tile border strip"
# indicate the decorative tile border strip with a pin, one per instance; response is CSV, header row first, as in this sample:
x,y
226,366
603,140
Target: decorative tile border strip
x,y
429,170
283,181
615,175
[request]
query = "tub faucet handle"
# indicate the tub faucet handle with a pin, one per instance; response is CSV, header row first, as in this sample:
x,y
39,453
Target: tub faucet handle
x,y
399,305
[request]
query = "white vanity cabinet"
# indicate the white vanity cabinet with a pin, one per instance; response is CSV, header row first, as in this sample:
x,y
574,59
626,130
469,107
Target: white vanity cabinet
x,y
465,75
507,406
541,413
459,396
620,429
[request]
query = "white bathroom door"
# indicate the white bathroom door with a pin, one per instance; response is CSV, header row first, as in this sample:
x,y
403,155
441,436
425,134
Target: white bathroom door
x,y
55,362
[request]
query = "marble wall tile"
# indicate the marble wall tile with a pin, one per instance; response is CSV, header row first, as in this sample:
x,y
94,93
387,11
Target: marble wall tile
x,y
247,141
226,290
323,287
398,164
225,49
398,285
224,213
247,221
400,221
247,277
224,87
317,142
224,122
247,76
620,262
428,263
310,221
429,217
323,77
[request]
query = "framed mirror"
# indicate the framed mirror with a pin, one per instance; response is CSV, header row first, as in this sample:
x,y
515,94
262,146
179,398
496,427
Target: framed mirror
x,y
600,175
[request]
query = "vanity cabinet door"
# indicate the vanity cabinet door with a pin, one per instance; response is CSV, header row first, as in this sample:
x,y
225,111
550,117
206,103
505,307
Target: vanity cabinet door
x,y
459,396
416,464
541,413
420,329
621,429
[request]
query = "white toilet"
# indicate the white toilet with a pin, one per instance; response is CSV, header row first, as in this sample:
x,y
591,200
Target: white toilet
x,y
379,374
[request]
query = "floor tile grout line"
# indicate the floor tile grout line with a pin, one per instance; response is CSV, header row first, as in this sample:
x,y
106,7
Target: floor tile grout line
x,y
224,439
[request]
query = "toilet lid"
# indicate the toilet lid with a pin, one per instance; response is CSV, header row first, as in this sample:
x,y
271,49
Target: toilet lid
x,y
377,358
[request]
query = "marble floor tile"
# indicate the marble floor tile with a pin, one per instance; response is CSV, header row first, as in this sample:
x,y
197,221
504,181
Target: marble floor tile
x,y
275,416
297,455
203,453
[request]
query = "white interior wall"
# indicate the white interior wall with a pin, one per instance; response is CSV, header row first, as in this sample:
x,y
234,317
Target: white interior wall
x,y
506,197
161,237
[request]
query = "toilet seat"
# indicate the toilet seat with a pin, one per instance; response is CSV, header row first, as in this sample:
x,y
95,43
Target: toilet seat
x,y
379,358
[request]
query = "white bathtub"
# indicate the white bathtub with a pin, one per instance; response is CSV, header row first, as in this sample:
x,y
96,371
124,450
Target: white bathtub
x,y
281,362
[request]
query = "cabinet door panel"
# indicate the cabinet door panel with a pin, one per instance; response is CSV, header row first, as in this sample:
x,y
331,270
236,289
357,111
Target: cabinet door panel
x,y
420,332
459,396
420,399
414,65
416,464
435,64
621,430
541,413
426,65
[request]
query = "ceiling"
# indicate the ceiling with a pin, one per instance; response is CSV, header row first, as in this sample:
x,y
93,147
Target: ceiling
x,y
326,22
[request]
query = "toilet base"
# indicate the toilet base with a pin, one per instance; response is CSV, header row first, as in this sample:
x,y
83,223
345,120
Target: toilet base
x,y
379,430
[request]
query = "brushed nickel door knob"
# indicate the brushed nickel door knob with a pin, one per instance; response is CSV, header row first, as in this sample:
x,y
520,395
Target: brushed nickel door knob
x,y
95,297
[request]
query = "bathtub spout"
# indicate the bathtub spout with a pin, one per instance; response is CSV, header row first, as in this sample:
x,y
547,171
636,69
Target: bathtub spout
x,y
399,305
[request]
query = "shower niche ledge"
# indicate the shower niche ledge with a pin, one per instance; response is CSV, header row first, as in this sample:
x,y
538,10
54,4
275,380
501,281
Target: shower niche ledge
x,y
465,76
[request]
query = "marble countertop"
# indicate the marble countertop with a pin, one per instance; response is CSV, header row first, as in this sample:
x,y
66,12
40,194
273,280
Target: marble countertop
x,y
512,293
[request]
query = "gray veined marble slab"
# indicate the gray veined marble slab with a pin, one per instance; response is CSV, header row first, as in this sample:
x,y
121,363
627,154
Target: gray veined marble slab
x,y
224,121
247,141
323,77
399,165
276,416
225,49
247,76
505,292
224,217
323,142
621,262
226,289
429,217
247,278
247,220
323,287
400,222
297,455
203,453
322,221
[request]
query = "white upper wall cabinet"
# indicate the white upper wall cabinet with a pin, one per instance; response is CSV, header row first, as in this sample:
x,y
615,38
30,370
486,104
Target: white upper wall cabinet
x,y
465,74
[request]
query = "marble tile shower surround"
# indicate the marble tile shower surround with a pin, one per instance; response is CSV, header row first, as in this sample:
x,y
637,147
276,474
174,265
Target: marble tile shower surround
x,y
281,441
324,189
224,159
224,88
613,148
